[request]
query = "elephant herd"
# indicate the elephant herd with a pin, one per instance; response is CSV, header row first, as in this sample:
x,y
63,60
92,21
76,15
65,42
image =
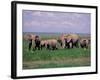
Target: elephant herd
x,y
68,41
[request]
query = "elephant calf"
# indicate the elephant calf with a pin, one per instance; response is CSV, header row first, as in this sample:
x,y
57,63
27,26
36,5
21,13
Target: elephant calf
x,y
84,43
50,44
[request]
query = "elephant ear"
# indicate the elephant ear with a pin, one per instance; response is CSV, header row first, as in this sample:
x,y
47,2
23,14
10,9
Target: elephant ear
x,y
69,38
27,36
32,36
81,41
64,36
61,37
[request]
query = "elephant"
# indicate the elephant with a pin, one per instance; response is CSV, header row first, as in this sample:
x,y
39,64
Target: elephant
x,y
37,42
50,44
84,43
43,43
69,40
29,38
61,40
33,41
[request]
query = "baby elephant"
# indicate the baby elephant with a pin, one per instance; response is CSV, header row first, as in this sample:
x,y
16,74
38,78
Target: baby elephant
x,y
50,44
84,43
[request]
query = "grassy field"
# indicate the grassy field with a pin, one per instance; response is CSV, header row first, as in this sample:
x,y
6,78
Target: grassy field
x,y
55,58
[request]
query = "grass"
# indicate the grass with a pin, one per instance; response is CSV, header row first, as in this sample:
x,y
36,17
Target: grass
x,y
54,55
57,58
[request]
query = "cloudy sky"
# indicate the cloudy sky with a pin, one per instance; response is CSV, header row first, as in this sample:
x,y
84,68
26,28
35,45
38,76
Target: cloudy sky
x,y
63,22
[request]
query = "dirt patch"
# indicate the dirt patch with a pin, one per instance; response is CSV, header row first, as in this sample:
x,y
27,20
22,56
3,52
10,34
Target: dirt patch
x,y
71,62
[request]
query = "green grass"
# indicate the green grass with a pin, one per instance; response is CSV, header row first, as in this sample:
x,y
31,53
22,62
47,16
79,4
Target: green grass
x,y
54,55
57,58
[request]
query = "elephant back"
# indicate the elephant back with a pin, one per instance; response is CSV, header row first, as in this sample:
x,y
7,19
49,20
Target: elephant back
x,y
29,36
74,37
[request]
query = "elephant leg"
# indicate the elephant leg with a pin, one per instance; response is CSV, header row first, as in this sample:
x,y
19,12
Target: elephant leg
x,y
72,45
77,44
38,47
86,46
35,47
30,45
41,47
68,45
53,48
48,46
81,45
61,44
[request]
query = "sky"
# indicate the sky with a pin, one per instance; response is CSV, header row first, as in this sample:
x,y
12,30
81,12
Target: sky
x,y
56,22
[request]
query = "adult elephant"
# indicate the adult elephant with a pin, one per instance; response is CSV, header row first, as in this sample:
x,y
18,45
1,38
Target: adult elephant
x,y
29,38
69,40
61,40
